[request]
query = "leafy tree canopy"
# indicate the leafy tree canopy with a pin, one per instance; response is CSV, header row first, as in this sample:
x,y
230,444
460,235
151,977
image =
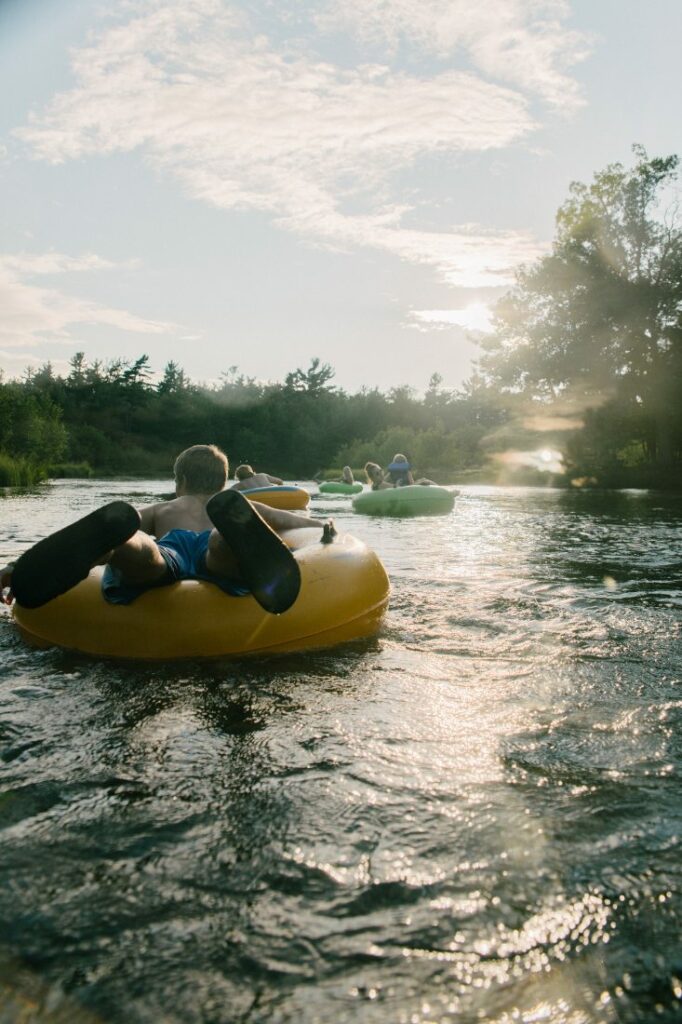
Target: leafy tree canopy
x,y
600,318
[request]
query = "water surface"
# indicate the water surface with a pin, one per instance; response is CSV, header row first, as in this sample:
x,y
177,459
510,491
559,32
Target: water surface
x,y
473,816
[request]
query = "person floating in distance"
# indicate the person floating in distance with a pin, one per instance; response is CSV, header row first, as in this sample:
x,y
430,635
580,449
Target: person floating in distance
x,y
345,478
375,477
399,473
247,479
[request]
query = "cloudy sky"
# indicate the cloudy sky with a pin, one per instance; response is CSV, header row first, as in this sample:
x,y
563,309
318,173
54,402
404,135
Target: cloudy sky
x,y
257,182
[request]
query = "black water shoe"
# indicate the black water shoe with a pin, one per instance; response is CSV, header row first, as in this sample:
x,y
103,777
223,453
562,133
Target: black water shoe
x,y
58,563
266,564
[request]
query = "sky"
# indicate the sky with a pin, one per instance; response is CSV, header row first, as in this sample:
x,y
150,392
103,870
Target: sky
x,y
258,183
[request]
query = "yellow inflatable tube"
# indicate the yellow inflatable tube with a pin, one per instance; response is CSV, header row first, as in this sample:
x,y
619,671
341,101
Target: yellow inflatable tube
x,y
292,499
344,593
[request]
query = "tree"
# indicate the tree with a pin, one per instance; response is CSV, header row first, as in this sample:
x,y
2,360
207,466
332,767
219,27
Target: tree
x,y
30,424
600,318
314,380
174,379
77,364
434,394
135,376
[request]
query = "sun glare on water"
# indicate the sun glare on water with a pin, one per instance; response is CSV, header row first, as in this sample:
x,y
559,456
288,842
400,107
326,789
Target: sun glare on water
x,y
547,460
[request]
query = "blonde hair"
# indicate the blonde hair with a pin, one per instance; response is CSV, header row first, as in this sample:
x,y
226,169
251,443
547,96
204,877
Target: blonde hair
x,y
203,467
372,469
243,472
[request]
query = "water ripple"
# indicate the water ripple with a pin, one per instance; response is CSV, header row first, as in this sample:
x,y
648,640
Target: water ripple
x,y
474,816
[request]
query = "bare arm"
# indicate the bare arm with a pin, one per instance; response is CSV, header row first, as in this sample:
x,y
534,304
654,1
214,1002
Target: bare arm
x,y
281,519
274,479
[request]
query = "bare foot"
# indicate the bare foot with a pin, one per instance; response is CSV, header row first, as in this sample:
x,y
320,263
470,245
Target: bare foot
x,y
329,531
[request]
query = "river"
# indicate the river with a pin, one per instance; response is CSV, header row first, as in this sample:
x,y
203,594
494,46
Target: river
x,y
473,816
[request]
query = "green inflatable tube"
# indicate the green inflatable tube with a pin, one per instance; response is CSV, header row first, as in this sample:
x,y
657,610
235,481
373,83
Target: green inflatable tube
x,y
339,488
413,500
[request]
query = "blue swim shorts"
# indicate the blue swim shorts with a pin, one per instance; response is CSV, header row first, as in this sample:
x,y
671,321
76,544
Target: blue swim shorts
x,y
184,552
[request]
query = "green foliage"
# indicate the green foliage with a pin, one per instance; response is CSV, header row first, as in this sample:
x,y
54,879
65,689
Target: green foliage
x,y
312,381
597,324
173,381
70,470
113,418
431,451
30,423
19,472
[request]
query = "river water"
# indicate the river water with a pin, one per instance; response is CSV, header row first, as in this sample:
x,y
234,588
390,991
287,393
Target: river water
x,y
473,816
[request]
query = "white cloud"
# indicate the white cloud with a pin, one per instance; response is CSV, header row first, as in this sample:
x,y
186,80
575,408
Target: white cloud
x,y
469,257
31,264
474,317
244,126
35,315
522,42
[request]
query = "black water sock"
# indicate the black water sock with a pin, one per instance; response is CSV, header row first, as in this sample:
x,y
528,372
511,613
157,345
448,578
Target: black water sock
x,y
60,561
268,568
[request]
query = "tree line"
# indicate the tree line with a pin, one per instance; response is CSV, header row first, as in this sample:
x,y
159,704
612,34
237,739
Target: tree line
x,y
113,419
579,382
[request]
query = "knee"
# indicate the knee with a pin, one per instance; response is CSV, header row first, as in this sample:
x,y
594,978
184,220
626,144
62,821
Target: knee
x,y
219,558
139,555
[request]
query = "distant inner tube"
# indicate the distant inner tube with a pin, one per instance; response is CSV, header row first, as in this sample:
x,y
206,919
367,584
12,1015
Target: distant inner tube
x,y
338,487
412,500
293,499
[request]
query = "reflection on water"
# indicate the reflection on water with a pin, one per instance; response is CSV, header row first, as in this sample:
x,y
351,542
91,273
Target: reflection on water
x,y
474,816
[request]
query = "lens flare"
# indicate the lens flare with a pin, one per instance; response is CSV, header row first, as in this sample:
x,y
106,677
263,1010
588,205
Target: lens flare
x,y
547,460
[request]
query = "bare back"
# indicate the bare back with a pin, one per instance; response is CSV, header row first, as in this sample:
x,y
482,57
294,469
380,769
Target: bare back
x,y
188,512
257,480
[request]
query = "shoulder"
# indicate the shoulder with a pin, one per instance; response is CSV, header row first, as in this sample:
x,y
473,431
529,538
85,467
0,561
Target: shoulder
x,y
148,516
149,513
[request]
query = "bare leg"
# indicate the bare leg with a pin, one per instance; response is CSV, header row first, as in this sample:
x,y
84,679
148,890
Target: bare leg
x,y
138,559
60,561
219,558
245,545
221,561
